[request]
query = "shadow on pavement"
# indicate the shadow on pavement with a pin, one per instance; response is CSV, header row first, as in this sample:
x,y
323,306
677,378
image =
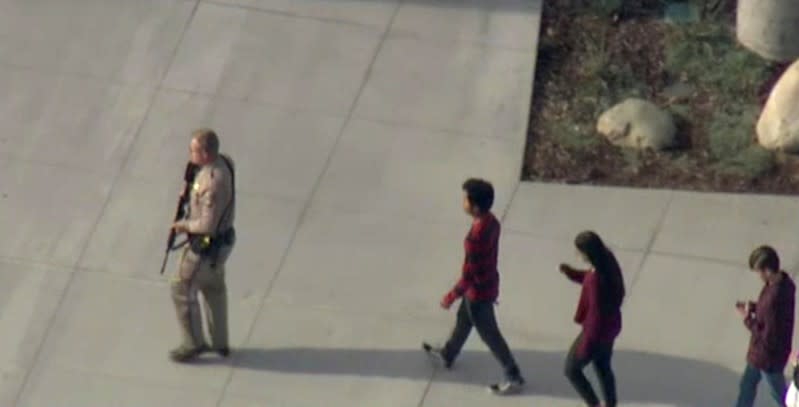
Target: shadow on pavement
x,y
641,377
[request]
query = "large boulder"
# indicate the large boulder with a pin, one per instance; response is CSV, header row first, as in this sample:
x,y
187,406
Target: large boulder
x,y
769,28
638,124
778,126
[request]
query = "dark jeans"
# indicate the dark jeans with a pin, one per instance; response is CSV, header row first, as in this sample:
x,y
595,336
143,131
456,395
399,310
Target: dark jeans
x,y
600,356
750,380
480,315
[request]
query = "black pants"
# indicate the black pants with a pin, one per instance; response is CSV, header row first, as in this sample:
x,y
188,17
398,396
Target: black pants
x,y
480,315
600,356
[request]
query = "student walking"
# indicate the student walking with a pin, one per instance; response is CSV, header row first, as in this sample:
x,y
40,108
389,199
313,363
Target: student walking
x,y
770,322
479,288
599,313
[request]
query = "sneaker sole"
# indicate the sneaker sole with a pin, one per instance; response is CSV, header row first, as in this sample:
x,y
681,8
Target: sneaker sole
x,y
431,352
494,389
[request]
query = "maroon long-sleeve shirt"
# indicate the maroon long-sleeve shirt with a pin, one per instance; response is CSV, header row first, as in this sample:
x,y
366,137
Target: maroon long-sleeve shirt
x,y
479,279
598,326
771,325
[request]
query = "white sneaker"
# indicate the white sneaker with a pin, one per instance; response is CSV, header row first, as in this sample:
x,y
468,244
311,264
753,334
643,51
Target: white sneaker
x,y
507,387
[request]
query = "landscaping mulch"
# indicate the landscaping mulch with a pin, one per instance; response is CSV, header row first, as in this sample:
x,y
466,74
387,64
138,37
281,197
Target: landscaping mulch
x,y
590,59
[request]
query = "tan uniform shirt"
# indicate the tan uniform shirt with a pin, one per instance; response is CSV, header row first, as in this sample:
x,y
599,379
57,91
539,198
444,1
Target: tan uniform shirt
x,y
211,207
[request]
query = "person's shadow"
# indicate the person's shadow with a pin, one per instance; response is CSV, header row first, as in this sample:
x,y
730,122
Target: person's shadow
x,y
641,377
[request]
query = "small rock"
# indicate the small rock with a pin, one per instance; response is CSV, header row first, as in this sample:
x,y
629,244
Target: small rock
x,y
639,124
778,126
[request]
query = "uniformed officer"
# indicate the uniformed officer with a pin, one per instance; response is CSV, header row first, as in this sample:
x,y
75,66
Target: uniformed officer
x,y
209,227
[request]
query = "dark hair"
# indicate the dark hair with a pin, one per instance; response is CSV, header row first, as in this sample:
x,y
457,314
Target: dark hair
x,y
611,281
480,193
764,257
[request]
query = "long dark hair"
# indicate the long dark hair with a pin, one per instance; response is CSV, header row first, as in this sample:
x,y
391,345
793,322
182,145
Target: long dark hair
x,y
611,282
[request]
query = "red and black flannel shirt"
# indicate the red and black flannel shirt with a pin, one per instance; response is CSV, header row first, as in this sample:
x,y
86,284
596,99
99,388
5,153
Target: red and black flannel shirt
x,y
771,325
598,326
479,278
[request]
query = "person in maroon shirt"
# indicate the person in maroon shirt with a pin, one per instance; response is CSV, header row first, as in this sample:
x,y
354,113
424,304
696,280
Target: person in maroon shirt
x,y
599,313
770,322
478,289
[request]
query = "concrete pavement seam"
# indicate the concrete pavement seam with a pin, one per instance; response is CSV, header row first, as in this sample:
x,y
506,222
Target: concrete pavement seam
x,y
109,80
508,205
26,261
49,164
449,131
696,257
289,14
278,107
651,242
564,238
310,199
427,387
442,42
405,34
503,216
84,249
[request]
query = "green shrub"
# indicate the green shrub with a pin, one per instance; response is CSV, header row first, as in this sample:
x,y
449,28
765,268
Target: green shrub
x,y
573,136
732,142
731,131
708,55
621,78
751,162
680,111
596,56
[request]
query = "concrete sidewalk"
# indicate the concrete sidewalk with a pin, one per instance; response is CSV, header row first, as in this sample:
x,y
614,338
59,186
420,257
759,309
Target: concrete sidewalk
x,y
353,123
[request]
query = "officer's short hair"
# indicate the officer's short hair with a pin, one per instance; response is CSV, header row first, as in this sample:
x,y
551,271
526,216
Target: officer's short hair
x,y
764,258
208,140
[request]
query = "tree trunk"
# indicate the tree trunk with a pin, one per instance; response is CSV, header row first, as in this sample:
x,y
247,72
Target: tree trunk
x,y
770,28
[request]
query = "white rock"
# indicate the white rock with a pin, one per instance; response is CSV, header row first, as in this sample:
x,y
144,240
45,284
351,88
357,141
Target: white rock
x,y
778,126
639,124
769,28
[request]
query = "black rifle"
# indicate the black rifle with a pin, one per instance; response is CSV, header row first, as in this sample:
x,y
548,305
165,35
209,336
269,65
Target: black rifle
x,y
180,213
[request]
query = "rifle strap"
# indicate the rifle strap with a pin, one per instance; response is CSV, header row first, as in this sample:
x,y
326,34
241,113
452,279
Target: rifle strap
x,y
232,192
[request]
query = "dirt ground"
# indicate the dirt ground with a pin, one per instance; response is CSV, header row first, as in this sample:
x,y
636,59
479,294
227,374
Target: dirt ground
x,y
591,59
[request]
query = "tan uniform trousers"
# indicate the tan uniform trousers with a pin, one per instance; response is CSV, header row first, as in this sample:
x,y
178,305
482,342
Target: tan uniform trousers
x,y
198,275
